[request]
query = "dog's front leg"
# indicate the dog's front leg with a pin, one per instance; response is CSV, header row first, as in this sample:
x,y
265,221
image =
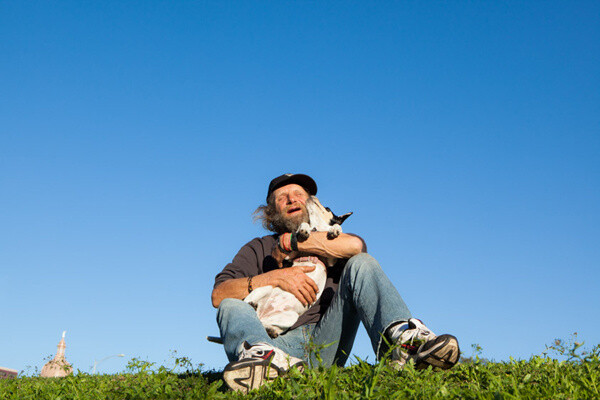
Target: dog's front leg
x,y
334,231
303,231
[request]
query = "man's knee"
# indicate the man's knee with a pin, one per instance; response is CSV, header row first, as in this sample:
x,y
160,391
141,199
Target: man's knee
x,y
361,263
229,306
360,267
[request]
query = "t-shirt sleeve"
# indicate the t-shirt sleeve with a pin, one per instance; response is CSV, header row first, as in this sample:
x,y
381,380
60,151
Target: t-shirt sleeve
x,y
245,263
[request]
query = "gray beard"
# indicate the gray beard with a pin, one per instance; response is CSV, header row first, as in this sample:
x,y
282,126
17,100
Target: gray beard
x,y
284,224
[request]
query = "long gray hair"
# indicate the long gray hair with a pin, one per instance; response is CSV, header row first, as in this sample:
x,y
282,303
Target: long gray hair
x,y
269,217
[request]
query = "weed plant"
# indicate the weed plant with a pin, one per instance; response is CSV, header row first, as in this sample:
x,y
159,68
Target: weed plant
x,y
571,374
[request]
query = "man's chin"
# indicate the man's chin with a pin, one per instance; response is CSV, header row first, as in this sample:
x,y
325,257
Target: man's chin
x,y
293,223
290,223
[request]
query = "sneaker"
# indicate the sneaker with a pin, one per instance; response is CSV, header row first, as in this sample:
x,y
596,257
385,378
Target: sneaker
x,y
416,342
258,364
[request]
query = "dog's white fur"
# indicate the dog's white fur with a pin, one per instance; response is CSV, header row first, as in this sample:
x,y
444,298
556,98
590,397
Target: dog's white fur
x,y
277,309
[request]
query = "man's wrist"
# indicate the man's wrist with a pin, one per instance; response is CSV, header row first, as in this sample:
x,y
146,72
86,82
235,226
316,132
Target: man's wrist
x,y
268,279
284,243
294,241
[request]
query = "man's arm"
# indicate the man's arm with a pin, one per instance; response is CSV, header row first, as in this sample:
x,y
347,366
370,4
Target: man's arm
x,y
344,246
293,280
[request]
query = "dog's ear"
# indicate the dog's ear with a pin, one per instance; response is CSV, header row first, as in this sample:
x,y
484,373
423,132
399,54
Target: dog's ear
x,y
340,220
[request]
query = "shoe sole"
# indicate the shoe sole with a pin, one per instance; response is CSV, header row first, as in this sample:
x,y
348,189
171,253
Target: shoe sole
x,y
442,352
249,374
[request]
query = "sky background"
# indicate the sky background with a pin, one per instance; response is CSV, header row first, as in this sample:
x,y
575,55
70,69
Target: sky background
x,y
137,138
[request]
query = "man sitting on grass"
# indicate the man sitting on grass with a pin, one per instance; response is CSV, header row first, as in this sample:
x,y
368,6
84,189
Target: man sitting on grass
x,y
357,290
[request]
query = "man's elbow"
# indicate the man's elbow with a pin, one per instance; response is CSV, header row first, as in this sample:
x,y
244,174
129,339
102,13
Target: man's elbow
x,y
357,246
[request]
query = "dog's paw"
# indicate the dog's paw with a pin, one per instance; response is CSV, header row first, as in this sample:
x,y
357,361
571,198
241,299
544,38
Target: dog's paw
x,y
334,231
273,333
303,231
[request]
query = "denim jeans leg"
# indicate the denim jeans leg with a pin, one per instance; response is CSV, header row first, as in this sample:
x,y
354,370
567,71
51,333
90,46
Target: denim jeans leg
x,y
294,342
365,294
238,322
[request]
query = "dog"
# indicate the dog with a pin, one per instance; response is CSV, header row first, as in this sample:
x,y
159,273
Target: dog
x,y
279,310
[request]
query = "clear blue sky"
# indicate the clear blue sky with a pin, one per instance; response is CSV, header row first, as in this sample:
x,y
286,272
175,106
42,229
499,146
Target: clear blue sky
x,y
137,138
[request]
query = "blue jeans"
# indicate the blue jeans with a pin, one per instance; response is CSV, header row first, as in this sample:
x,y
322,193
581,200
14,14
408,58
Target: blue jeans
x,y
365,294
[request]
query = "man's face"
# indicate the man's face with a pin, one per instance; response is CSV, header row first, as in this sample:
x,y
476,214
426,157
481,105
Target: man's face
x,y
290,205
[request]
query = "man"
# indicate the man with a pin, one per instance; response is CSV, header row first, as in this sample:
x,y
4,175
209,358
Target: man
x,y
357,290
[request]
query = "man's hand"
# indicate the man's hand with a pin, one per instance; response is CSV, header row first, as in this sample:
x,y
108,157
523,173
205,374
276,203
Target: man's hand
x,y
295,281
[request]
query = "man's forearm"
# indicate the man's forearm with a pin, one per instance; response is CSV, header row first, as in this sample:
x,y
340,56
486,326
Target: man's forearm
x,y
344,246
238,288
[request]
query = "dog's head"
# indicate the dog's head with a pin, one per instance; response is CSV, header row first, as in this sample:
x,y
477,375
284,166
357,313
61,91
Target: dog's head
x,y
316,209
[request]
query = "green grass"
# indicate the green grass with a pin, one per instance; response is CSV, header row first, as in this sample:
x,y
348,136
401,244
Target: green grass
x,y
576,376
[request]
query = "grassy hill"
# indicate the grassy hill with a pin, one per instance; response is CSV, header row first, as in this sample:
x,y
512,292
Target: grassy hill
x,y
576,376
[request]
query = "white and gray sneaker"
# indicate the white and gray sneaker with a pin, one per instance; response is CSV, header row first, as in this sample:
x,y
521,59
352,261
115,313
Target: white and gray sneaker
x,y
414,341
258,364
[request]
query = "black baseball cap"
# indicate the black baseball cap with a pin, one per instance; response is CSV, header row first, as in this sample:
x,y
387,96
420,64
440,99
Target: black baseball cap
x,y
305,181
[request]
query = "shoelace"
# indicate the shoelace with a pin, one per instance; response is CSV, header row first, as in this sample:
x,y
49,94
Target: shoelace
x,y
396,331
412,339
257,351
266,352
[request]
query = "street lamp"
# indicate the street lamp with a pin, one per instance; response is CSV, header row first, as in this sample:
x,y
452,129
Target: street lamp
x,y
105,358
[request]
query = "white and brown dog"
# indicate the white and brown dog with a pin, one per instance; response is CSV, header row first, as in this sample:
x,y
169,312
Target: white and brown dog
x,y
277,309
